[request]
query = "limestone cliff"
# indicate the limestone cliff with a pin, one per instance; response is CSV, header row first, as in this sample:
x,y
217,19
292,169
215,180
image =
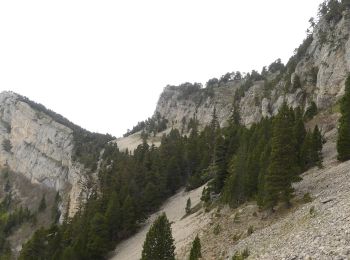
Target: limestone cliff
x,y
321,65
41,150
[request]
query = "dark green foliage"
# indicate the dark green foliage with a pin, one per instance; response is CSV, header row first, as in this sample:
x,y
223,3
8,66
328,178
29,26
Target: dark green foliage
x,y
239,163
296,82
187,89
299,53
6,144
159,243
9,220
241,255
188,206
332,10
235,118
217,229
343,141
98,242
196,253
311,150
42,205
55,212
154,125
299,132
7,186
317,142
311,111
132,186
276,66
35,248
283,168
250,230
212,82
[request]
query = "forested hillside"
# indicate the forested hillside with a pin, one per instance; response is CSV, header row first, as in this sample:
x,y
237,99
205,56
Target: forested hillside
x,y
255,149
240,163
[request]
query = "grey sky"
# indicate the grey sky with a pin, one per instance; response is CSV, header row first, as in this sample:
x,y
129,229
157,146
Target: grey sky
x,y
103,64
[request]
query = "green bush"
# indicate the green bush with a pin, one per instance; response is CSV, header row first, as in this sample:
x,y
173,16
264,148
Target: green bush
x,y
217,229
307,198
241,255
250,230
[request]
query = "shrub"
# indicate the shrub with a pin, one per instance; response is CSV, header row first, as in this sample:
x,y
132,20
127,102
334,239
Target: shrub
x,y
250,230
241,255
217,229
188,206
307,198
312,211
6,144
236,218
311,111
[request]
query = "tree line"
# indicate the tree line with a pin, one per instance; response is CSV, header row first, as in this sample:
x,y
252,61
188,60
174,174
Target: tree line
x,y
241,163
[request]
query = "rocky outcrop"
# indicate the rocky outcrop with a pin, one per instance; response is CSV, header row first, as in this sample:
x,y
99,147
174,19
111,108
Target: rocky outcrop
x,y
321,69
36,146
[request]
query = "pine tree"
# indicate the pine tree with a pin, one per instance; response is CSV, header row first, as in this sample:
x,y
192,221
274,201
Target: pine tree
x,y
188,206
98,243
220,164
128,215
42,205
159,243
214,127
235,118
343,142
113,216
234,192
299,133
283,168
317,146
306,154
196,253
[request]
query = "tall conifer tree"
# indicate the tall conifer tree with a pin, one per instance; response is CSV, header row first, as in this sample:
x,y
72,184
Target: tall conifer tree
x,y
159,243
283,168
196,253
343,142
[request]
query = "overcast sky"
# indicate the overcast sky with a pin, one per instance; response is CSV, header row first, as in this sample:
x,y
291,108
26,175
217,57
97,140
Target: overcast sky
x,y
103,64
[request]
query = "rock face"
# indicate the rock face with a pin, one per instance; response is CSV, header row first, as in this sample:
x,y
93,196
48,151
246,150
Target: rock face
x,y
322,69
34,145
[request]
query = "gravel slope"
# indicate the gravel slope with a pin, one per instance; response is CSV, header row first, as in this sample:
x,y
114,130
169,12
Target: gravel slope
x,y
184,229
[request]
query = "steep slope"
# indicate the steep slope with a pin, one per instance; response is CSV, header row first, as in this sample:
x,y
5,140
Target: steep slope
x,y
321,64
37,152
316,73
316,228
182,228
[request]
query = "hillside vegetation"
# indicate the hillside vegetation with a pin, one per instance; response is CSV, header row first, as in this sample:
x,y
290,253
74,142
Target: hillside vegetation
x,y
253,152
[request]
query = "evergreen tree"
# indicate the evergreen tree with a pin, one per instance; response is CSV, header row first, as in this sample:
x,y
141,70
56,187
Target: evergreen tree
x,y
196,253
311,111
128,215
98,243
343,142
159,243
219,166
7,186
42,205
306,153
283,168
235,118
113,216
317,146
299,133
188,206
35,248
234,192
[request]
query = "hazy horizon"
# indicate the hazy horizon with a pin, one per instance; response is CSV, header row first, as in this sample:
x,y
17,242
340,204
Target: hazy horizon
x,y
104,65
